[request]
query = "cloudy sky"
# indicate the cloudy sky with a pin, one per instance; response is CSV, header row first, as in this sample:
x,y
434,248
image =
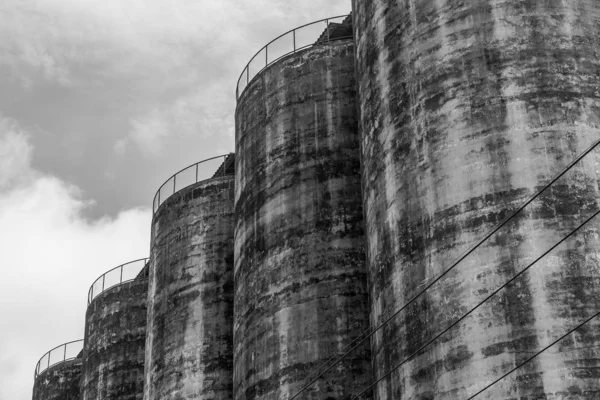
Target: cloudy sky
x,y
100,102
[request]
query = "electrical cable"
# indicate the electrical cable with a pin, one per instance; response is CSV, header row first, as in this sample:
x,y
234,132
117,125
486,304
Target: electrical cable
x,y
477,306
370,332
534,356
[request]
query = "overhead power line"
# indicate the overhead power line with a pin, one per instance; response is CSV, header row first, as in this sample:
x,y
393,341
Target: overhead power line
x,y
534,356
477,306
370,332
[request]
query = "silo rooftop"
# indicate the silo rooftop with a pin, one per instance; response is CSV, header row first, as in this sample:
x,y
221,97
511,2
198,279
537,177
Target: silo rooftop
x,y
300,38
190,175
59,355
119,275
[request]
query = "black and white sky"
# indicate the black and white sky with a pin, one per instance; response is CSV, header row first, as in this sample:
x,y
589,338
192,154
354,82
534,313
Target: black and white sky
x,y
100,102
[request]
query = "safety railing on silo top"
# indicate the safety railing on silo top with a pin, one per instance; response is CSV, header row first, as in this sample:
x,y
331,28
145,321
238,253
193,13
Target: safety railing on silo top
x,y
300,38
122,274
200,171
59,355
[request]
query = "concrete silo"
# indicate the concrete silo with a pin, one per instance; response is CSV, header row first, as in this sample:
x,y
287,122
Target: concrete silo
x,y
468,108
300,277
115,334
58,373
190,313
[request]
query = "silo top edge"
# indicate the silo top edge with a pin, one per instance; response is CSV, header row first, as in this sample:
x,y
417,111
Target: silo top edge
x,y
226,168
58,353
130,269
333,31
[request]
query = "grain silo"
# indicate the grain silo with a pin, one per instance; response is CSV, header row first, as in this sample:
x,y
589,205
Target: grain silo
x,y
190,311
300,277
467,109
58,373
115,334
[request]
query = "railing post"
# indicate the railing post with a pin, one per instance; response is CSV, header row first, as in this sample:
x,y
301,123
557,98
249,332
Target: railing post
x,y
174,180
327,22
266,55
294,34
247,74
65,353
103,277
49,359
158,205
196,173
121,279
224,164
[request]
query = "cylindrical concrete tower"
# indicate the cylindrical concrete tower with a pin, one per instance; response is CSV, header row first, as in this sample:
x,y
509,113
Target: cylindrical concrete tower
x,y
468,108
115,335
58,373
300,277
189,351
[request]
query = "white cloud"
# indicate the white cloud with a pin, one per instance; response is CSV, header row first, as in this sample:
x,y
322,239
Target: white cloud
x,y
148,133
179,59
120,146
199,115
51,255
15,155
132,37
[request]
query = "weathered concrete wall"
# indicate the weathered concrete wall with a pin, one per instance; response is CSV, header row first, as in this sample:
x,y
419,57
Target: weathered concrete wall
x,y
60,382
300,277
189,352
467,108
114,343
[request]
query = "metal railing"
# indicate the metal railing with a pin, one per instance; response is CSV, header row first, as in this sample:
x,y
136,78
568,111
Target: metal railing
x,y
188,176
122,274
297,39
58,355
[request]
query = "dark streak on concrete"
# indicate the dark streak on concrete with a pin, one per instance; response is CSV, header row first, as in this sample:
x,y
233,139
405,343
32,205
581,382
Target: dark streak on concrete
x,y
59,382
467,108
300,280
190,346
115,333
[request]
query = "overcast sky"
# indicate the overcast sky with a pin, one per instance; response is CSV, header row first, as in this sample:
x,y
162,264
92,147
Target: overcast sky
x,y
100,102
